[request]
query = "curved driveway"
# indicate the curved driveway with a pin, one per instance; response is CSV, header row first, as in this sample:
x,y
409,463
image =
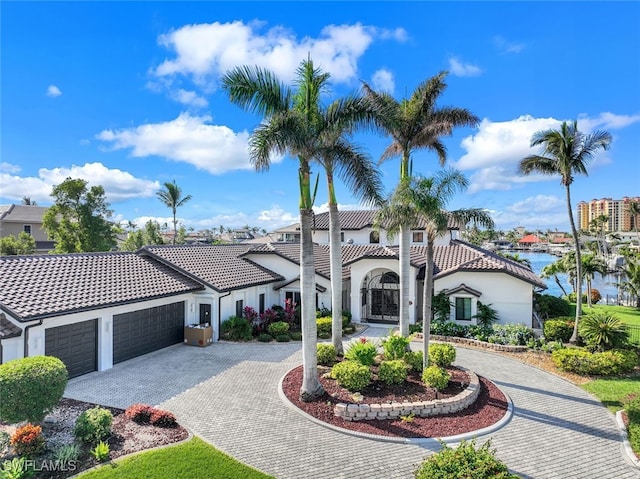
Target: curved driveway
x,y
227,394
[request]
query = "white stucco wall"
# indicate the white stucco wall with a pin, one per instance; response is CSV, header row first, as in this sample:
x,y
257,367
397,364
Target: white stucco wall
x,y
362,237
509,296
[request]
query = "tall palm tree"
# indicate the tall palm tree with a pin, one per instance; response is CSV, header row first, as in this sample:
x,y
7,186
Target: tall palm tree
x,y
553,269
339,157
26,200
631,271
413,124
172,197
566,152
295,123
633,208
426,199
592,264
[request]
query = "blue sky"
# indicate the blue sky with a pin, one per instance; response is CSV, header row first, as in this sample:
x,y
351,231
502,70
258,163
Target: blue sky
x,y
126,95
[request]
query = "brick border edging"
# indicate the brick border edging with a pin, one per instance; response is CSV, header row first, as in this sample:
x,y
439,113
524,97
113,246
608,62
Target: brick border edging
x,y
625,440
436,407
477,343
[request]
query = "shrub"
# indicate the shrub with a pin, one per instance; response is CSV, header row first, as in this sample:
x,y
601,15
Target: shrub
x,y
632,407
67,454
436,377
414,359
481,333
515,334
416,328
442,355
552,346
464,461
277,328
139,413
395,346
327,354
595,296
283,338
28,440
17,468
486,315
559,329
31,387
393,372
236,329
351,375
605,363
93,425
265,337
450,329
349,329
634,436
265,319
362,351
295,335
162,418
324,325
603,331
101,451
549,306
324,335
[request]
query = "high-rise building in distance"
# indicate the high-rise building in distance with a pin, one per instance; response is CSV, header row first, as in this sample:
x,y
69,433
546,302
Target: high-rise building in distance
x,y
616,211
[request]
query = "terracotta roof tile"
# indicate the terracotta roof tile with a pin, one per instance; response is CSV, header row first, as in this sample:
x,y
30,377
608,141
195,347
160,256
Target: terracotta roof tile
x,y
8,329
355,220
33,287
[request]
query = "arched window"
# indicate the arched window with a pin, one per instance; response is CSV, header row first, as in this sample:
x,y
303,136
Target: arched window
x,y
374,237
390,278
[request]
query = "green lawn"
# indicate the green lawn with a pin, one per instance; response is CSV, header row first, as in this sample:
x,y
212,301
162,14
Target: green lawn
x,y
611,391
626,314
194,459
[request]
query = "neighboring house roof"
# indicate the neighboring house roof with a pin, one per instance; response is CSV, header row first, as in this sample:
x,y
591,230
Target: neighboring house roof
x,y
530,239
22,213
221,267
8,329
40,286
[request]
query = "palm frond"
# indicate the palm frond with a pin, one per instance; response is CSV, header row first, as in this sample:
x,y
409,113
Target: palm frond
x,y
256,90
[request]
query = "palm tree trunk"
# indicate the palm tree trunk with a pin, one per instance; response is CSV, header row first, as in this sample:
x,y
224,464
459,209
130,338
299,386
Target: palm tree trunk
x,y
311,387
405,269
589,292
427,312
335,260
175,228
574,336
564,292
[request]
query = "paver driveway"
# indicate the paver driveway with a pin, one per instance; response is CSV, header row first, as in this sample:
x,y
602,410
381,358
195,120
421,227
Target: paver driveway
x,y
227,393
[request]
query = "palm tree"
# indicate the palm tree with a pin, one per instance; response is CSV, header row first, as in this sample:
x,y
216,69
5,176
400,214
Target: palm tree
x,y
592,264
566,152
426,199
631,283
515,257
553,269
172,197
341,158
295,124
26,200
633,208
597,224
413,124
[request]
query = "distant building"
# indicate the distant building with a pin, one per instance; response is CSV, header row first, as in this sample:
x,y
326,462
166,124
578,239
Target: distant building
x,y
16,219
616,211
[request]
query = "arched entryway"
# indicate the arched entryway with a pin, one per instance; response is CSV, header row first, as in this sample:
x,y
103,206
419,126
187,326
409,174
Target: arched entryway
x,y
380,297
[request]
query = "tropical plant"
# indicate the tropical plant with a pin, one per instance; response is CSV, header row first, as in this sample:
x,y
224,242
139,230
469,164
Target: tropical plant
x,y
436,377
553,269
395,346
426,199
603,331
631,284
413,124
566,152
327,354
393,372
351,375
592,264
100,451
486,315
633,209
93,425
363,352
441,307
171,196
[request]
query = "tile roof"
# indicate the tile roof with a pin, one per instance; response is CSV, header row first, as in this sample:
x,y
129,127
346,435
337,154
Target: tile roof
x,y
8,329
219,266
39,286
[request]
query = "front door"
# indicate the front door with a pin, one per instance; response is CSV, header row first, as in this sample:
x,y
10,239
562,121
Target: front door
x,y
205,313
385,304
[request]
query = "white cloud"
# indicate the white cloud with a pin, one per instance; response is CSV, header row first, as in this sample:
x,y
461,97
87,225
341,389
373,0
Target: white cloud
x,y
505,46
9,168
53,91
496,149
118,185
538,204
204,51
461,69
534,212
383,80
190,139
190,98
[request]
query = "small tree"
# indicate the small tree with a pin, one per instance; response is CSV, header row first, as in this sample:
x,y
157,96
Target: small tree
x,y
31,387
23,244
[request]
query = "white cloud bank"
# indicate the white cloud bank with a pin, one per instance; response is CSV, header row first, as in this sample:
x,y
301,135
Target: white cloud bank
x,y
118,185
189,139
53,91
461,69
540,211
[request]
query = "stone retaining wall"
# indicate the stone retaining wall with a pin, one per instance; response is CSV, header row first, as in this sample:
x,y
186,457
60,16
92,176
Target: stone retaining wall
x,y
478,344
359,412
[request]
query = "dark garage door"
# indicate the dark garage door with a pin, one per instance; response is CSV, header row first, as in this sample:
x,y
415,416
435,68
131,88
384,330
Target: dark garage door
x,y
146,330
76,345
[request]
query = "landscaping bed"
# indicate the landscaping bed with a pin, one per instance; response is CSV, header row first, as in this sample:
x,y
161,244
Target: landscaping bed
x,y
126,437
490,406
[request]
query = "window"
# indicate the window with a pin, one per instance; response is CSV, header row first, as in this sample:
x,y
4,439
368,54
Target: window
x,y
463,309
374,237
261,303
342,236
293,296
239,308
27,229
417,237
390,278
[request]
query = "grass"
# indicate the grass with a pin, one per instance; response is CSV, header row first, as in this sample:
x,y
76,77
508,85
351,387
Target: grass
x,y
194,459
611,391
626,314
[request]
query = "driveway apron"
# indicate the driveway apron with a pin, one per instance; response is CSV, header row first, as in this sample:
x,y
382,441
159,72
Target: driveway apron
x,y
227,394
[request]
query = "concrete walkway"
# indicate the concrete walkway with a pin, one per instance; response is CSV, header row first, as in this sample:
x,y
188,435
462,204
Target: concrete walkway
x,y
228,394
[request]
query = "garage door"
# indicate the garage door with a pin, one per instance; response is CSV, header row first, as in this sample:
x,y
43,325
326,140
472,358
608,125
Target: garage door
x,y
146,330
76,345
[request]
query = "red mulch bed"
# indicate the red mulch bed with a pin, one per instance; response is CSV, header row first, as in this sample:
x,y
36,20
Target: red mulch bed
x,y
488,409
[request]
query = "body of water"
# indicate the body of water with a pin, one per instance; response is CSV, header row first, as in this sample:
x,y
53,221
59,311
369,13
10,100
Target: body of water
x,y
606,285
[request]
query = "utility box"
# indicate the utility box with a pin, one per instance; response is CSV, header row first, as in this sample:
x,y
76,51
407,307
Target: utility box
x,y
198,335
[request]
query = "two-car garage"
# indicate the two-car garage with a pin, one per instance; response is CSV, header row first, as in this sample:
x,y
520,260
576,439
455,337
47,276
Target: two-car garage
x,y
134,333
